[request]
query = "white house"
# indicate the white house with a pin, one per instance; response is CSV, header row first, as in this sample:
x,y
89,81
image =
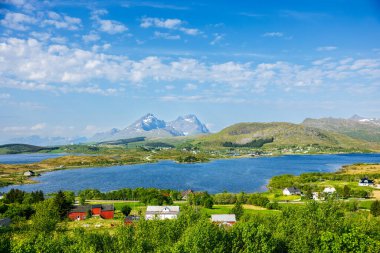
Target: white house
x,y
29,173
161,212
365,182
329,190
224,219
291,191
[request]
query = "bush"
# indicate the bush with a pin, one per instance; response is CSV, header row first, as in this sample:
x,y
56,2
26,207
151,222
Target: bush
x,y
375,208
126,210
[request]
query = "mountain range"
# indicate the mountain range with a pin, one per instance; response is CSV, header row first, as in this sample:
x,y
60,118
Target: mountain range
x,y
354,132
48,141
151,127
357,127
281,134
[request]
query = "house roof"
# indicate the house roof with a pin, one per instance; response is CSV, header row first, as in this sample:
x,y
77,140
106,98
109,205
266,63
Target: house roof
x,y
107,207
329,189
223,218
187,192
132,218
292,189
5,222
80,209
366,180
162,209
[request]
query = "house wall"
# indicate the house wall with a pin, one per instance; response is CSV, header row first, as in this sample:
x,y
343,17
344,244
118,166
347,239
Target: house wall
x,y
160,216
107,214
74,216
96,211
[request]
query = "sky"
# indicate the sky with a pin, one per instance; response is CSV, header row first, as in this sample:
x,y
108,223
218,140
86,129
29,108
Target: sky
x,y
74,68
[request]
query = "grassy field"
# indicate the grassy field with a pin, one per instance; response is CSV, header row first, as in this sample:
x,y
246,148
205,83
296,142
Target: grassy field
x,y
13,173
360,169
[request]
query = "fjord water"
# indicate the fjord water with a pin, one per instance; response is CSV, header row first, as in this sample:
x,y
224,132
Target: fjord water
x,y
233,175
26,158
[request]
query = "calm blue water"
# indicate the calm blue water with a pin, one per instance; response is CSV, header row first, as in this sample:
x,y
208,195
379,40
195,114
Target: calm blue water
x,y
235,175
26,158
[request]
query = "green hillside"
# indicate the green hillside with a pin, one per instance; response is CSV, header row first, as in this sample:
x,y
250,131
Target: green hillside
x,y
359,130
279,134
23,148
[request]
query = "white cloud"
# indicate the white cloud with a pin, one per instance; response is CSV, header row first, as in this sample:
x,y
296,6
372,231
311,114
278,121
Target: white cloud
x,y
273,34
322,61
53,15
34,67
105,25
38,126
59,40
60,21
203,99
17,21
17,130
161,23
190,86
327,48
41,35
26,5
166,36
217,38
4,95
171,24
111,26
90,37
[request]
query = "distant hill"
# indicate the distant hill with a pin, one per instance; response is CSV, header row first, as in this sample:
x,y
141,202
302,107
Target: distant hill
x,y
23,148
188,125
150,126
48,141
367,129
277,134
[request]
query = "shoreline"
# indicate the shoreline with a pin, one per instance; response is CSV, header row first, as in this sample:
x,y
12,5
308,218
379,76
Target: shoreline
x,y
34,179
30,180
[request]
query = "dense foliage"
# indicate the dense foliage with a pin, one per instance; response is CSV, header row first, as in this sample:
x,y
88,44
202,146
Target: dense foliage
x,y
309,182
324,227
257,143
145,195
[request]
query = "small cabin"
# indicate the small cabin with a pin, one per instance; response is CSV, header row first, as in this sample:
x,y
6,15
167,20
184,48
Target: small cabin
x,y
81,212
29,173
366,182
5,222
131,219
329,190
224,219
161,212
291,191
185,194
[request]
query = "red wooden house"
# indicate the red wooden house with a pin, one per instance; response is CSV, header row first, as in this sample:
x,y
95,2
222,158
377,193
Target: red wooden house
x,y
81,212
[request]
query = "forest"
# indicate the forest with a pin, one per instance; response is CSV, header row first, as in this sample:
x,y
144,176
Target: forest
x,y
39,224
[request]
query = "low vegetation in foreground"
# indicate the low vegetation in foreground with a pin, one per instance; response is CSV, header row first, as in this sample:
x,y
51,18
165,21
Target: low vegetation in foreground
x,y
347,220
40,224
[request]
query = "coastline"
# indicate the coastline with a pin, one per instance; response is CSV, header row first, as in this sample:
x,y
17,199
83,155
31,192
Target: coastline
x,y
22,180
34,179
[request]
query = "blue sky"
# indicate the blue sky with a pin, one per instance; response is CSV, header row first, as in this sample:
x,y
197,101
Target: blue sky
x,y
73,68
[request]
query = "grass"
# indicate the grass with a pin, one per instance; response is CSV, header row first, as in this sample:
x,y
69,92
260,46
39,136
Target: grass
x,y
226,209
360,169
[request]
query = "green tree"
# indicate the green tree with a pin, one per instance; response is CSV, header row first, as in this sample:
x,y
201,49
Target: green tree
x,y
238,210
46,217
62,204
82,200
126,210
346,191
375,208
